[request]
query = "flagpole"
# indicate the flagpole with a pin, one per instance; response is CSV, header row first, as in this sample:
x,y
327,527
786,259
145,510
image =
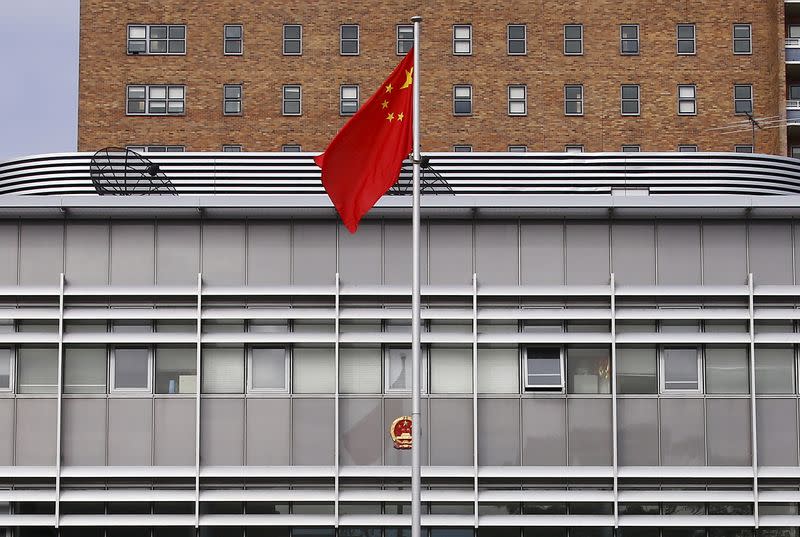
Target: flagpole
x,y
416,446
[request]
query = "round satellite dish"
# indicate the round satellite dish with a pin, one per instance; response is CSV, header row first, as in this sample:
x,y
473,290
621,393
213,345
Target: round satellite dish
x,y
121,172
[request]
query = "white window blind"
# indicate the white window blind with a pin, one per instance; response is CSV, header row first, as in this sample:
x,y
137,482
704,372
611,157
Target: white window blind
x,y
498,370
680,368
38,369
360,370
268,369
131,368
85,370
451,370
223,370
313,370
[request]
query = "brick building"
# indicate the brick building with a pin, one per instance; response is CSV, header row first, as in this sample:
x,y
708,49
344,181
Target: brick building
x,y
546,76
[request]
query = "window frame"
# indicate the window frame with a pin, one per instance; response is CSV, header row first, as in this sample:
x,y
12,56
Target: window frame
x,y
284,40
232,148
524,99
517,148
226,100
679,39
661,369
147,99
622,40
284,101
12,374
398,40
566,100
561,388
156,148
749,38
112,369
580,40
456,99
693,100
225,39
342,99
737,100
457,40
285,148
462,148
147,40
287,380
524,39
342,39
688,148
574,148
631,148
743,148
623,100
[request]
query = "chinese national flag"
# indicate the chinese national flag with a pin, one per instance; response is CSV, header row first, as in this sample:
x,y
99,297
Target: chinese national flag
x,y
364,159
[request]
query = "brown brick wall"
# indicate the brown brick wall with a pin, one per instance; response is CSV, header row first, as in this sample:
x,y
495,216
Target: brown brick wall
x,y
105,69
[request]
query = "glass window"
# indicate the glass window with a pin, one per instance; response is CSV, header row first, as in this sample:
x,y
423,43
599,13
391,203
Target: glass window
x,y
686,39
222,327
292,100
517,39
742,39
573,148
518,149
348,40
292,39
630,148
629,39
360,370
588,370
498,370
231,148
233,37
37,369
176,369
155,100
679,368
573,100
743,149
291,148
573,39
684,148
451,369
774,369
144,39
727,370
268,369
313,370
462,148
543,368
462,39
223,370
405,38
131,368
85,369
232,99
687,100
348,100
398,369
743,98
462,100
630,100
6,359
517,100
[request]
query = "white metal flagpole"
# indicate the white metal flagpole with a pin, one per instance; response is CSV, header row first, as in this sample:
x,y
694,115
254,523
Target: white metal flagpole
x,y
416,436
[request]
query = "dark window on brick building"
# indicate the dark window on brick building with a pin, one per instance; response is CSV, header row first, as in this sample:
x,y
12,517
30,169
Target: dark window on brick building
x,y
517,39
234,38
292,39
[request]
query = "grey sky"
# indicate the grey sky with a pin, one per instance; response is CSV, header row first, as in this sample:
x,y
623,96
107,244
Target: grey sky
x,y
40,77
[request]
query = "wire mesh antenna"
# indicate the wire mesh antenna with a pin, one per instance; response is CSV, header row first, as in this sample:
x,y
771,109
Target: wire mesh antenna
x,y
121,172
431,181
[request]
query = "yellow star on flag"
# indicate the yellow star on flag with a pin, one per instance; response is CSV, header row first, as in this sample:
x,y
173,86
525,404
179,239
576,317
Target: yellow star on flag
x,y
384,104
390,117
400,116
389,88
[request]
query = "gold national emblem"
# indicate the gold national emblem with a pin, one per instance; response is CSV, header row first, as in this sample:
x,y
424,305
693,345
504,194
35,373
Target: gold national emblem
x,y
401,432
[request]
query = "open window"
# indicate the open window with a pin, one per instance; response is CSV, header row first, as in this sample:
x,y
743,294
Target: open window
x,y
544,368
680,369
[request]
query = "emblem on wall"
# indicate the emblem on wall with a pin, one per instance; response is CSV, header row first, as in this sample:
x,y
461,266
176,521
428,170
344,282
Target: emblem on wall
x,y
400,429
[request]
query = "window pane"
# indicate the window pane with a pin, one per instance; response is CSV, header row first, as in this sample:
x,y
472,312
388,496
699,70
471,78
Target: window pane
x,y
158,92
516,31
223,370
516,92
136,107
573,92
137,46
175,92
130,368
686,92
544,366
727,370
498,370
462,47
463,107
158,46
268,368
349,92
233,107
572,32
451,370
636,370
291,107
630,107
680,369
176,370
349,47
137,32
588,371
685,47
85,370
516,47
349,32
741,30
313,370
516,107
743,107
136,92
774,370
629,32
5,368
234,32
686,107
742,92
360,370
233,92
399,369
630,92
177,32
291,92
741,45
158,32
233,47
463,92
462,32
291,32
572,47
177,47
685,31
38,369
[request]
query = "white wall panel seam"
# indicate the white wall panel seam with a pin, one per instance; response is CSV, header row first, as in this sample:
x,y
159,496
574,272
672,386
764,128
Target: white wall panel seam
x,y
59,410
753,409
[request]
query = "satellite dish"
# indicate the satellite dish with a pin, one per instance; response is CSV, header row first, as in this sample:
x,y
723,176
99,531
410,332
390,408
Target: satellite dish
x,y
122,172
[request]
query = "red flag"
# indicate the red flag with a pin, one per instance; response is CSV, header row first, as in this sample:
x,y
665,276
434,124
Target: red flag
x,y
364,159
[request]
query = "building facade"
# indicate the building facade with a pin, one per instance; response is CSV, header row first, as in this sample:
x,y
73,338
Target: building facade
x,y
538,76
619,356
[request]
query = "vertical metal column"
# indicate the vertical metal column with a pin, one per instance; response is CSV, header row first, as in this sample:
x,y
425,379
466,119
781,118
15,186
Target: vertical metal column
x,y
197,402
753,423
475,389
336,405
613,373
59,411
416,446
